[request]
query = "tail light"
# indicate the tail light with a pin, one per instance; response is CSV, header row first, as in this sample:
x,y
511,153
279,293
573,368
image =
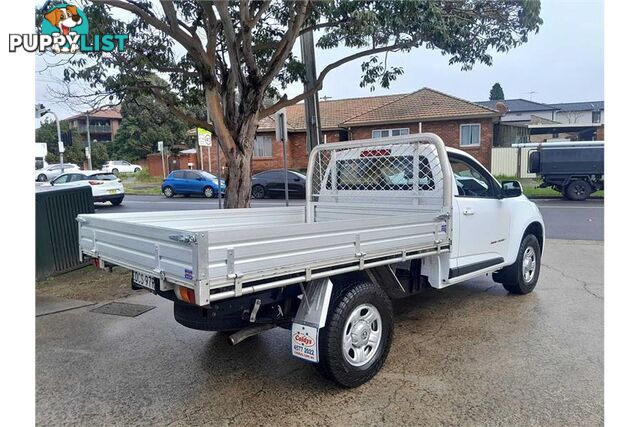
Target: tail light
x,y
186,295
96,182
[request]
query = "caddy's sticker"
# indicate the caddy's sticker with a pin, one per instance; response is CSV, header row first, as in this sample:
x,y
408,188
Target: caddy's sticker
x,y
304,342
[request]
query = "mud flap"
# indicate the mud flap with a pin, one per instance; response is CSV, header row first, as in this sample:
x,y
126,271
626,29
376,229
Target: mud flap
x,y
310,318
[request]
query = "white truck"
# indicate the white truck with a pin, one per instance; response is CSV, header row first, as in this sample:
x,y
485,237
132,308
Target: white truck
x,y
384,218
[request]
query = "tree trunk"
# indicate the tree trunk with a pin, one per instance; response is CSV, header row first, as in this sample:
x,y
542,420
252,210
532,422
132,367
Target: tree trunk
x,y
238,191
237,147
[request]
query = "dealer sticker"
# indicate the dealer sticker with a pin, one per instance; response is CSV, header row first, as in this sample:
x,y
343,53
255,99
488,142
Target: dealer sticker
x,y
304,342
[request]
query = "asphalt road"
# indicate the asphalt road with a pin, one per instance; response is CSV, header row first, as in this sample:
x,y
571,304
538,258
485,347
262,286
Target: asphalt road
x,y
470,354
563,219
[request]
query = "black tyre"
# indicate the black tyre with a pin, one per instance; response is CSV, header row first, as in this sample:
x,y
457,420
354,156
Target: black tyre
x,y
578,190
136,170
168,192
357,335
42,178
208,192
521,277
258,192
115,171
116,202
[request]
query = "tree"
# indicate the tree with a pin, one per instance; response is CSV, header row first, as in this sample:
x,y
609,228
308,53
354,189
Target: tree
x,y
145,121
225,51
74,153
496,93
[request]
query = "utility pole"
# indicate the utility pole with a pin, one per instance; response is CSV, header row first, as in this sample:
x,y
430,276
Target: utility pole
x,y
218,154
311,104
89,144
281,135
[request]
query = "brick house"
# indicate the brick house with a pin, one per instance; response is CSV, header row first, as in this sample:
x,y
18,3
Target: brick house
x,y
103,124
460,123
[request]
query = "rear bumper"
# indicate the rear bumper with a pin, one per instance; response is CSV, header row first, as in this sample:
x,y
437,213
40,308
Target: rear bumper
x,y
108,197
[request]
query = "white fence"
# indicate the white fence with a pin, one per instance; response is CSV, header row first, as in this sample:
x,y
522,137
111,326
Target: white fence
x,y
504,161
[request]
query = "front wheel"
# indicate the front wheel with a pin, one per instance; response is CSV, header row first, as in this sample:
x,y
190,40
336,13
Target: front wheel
x,y
357,336
136,170
258,192
521,277
208,192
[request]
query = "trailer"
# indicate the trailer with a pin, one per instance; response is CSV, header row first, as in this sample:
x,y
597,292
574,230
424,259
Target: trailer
x,y
573,168
380,221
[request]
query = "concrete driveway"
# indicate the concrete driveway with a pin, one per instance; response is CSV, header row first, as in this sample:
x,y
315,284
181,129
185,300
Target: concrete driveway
x,y
470,354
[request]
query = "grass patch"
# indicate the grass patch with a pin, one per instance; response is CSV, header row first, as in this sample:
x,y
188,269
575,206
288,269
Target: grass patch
x,y
530,188
141,183
88,284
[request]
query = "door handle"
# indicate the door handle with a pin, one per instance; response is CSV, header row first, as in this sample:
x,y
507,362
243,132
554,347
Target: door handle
x,y
468,211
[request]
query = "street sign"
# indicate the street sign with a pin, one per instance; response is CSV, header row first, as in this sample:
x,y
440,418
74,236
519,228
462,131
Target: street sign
x,y
87,152
281,125
61,146
160,146
204,138
41,149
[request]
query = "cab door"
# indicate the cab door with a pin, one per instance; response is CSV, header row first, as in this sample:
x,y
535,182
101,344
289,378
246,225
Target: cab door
x,y
481,218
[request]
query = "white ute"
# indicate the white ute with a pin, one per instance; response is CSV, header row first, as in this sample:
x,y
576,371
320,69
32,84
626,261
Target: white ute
x,y
384,218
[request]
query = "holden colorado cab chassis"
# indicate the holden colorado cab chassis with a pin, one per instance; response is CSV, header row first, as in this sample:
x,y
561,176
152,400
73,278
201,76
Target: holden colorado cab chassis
x,y
384,218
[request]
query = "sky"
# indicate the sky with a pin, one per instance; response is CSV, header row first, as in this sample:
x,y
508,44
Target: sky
x,y
564,62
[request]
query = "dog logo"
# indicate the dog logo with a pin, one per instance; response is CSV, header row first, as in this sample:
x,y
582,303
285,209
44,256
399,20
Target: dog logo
x,y
68,21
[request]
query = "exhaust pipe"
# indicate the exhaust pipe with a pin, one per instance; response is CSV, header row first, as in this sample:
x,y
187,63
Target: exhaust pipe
x,y
245,333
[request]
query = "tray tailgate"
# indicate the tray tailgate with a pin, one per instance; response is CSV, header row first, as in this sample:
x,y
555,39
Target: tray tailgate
x,y
138,247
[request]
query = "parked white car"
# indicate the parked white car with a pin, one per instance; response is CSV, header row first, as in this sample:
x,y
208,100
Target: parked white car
x,y
384,218
106,187
118,166
50,172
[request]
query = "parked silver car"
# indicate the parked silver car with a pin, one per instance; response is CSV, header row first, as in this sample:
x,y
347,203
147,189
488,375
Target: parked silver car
x,y
50,172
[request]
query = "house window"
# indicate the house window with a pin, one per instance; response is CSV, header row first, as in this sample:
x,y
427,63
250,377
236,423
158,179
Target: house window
x,y
262,146
469,135
596,116
383,133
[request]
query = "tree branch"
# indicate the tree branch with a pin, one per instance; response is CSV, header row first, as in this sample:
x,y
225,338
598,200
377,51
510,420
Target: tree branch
x,y
284,102
303,9
192,44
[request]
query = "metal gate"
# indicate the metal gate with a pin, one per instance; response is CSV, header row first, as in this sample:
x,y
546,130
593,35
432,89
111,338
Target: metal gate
x,y
57,229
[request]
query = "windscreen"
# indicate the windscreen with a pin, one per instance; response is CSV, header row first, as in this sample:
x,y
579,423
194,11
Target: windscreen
x,y
382,173
104,177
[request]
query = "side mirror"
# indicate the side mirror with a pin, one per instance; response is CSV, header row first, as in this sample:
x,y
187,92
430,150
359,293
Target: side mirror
x,y
511,189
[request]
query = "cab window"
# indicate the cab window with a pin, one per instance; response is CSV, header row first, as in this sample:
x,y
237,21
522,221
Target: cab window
x,y
471,180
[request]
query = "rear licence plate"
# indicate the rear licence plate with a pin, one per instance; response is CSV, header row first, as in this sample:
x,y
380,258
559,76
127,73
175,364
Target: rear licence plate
x,y
112,191
145,281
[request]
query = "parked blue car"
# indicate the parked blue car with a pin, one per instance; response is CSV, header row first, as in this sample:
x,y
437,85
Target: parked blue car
x,y
188,182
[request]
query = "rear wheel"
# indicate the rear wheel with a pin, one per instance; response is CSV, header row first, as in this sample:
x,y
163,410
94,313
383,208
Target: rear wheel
x,y
136,170
115,171
578,190
521,277
257,192
168,192
42,178
116,202
357,336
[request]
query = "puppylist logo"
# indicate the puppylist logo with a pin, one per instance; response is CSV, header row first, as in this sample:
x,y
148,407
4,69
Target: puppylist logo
x,y
65,29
